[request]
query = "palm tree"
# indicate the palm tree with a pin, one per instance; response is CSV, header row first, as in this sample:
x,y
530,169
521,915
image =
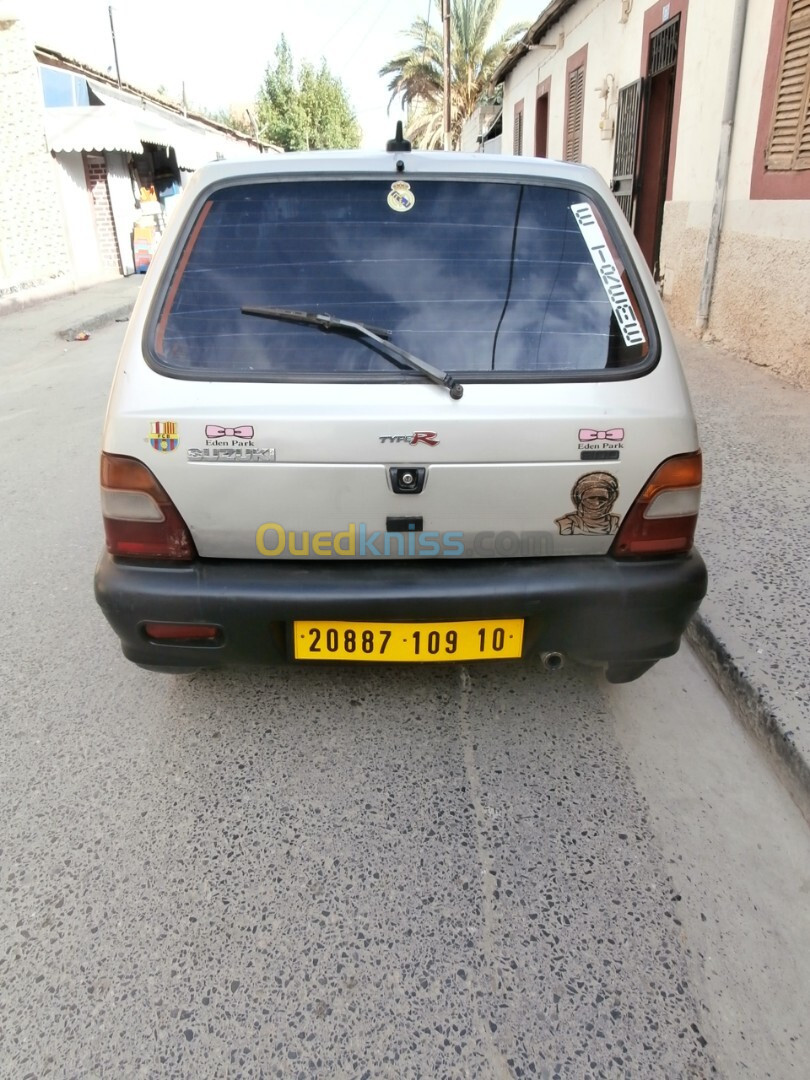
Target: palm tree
x,y
418,73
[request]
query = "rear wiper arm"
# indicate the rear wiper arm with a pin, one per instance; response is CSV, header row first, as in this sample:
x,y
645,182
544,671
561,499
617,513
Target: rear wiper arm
x,y
362,332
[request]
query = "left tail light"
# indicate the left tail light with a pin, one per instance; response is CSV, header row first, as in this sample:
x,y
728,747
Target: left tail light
x,y
140,520
663,517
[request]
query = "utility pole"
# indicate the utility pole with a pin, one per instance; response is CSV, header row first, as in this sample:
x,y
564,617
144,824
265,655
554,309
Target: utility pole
x,y
446,32
115,47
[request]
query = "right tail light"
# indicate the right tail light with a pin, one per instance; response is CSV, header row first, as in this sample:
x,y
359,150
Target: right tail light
x,y
663,517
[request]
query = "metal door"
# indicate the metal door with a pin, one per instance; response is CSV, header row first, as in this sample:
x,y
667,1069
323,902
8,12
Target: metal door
x,y
624,161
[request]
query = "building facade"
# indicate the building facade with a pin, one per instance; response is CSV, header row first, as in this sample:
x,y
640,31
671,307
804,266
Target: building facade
x,y
698,114
90,168
34,251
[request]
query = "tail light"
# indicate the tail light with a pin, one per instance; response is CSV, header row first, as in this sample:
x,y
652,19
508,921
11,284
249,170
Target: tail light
x,y
140,520
662,520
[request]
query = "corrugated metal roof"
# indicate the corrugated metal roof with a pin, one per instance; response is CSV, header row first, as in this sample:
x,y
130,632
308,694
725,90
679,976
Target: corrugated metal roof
x,y
555,10
123,118
128,93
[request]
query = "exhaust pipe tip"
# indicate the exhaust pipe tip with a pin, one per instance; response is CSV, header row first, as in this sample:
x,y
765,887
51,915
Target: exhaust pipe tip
x,y
552,661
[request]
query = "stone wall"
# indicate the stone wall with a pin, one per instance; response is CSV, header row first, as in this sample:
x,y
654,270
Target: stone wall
x,y
33,245
761,301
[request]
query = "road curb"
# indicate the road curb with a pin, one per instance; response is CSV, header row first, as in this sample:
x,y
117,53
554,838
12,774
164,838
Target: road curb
x,y
754,710
97,322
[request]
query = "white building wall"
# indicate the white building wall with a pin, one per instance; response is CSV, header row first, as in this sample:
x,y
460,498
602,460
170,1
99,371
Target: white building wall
x,y
613,49
470,130
475,127
761,301
122,202
33,246
705,69
614,54
78,213
765,243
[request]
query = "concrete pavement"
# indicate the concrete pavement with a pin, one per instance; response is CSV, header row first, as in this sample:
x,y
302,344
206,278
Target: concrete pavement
x,y
753,630
24,328
471,870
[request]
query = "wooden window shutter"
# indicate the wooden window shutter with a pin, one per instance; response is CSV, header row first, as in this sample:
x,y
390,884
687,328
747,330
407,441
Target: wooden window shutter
x,y
517,129
789,146
576,104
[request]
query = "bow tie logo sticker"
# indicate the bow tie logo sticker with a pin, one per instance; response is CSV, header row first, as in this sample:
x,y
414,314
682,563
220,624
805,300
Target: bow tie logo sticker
x,y
587,434
214,431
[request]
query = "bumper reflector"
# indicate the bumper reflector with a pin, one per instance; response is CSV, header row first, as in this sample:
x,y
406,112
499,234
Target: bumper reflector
x,y
178,632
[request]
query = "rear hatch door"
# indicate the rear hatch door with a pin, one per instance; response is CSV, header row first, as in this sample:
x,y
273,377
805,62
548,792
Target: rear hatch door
x,y
278,439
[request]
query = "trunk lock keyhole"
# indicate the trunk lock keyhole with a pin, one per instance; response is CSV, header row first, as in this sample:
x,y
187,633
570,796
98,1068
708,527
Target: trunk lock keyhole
x,y
407,480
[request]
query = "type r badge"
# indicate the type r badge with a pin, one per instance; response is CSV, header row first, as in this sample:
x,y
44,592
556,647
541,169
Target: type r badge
x,y
429,438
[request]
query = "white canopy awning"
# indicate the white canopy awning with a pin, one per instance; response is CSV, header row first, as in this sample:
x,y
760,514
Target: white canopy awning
x,y
84,127
193,144
150,127
122,122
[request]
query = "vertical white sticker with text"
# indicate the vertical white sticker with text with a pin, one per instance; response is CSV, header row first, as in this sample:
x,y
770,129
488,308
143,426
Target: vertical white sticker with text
x,y
609,273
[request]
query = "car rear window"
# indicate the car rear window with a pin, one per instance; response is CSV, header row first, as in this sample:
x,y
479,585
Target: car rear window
x,y
473,277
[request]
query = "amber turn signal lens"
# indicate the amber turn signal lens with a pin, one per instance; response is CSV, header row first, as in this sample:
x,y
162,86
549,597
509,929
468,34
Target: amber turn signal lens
x,y
683,471
663,517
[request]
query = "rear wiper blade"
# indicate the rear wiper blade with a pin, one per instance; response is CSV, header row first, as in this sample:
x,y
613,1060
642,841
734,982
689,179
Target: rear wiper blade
x,y
361,331
314,318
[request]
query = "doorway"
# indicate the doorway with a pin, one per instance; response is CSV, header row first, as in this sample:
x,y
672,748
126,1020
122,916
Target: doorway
x,y
653,161
541,126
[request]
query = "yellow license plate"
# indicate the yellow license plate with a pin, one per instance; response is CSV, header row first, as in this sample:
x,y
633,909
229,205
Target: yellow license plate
x,y
489,639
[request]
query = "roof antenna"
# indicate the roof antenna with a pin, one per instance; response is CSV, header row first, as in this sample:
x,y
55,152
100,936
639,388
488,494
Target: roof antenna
x,y
398,143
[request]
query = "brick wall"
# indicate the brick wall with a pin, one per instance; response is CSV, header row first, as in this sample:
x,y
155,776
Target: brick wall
x,y
33,242
95,170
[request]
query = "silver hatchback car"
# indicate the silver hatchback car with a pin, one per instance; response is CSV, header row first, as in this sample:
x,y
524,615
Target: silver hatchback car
x,y
399,407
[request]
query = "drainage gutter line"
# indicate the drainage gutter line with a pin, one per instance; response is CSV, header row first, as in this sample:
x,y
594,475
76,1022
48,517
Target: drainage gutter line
x,y
723,162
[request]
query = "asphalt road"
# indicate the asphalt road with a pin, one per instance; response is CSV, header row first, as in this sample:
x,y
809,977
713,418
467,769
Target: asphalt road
x,y
439,872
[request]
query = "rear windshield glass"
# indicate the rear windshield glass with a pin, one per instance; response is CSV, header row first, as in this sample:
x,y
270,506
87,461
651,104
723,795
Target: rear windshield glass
x,y
470,276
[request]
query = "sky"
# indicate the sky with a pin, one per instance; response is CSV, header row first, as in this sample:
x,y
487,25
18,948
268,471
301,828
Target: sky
x,y
221,51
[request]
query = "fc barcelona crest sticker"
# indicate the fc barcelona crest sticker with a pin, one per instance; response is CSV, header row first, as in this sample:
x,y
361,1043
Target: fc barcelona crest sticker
x,y
163,435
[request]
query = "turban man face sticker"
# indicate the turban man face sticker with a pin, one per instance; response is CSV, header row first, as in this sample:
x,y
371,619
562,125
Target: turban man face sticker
x,y
593,496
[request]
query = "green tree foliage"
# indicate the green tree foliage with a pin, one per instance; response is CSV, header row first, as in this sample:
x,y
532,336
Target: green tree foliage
x,y
233,117
307,110
418,78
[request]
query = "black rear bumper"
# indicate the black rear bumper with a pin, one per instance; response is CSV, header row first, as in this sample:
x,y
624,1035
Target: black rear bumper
x,y
594,609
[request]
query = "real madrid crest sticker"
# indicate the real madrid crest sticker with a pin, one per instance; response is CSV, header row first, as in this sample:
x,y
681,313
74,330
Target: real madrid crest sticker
x,y
400,197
